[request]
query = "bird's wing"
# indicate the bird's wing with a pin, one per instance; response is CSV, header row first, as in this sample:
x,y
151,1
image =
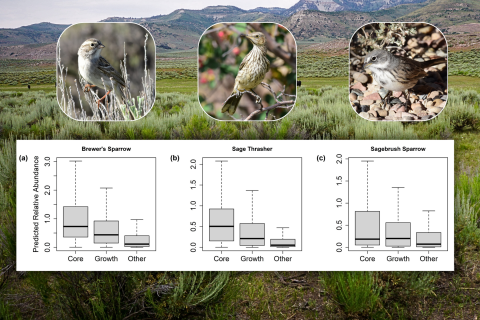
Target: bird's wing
x,y
110,71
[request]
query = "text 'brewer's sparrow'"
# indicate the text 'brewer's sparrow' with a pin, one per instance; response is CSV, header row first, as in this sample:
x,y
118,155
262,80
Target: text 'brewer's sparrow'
x,y
251,72
93,67
396,73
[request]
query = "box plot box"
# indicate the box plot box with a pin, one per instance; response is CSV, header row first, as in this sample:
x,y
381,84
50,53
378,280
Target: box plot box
x,y
221,225
282,243
252,234
429,239
105,231
75,222
367,228
137,241
397,234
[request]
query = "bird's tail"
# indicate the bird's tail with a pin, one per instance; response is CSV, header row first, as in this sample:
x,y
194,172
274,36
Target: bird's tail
x,y
231,104
433,62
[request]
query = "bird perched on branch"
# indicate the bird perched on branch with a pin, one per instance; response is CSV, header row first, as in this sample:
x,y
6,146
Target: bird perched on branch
x,y
251,72
93,67
396,73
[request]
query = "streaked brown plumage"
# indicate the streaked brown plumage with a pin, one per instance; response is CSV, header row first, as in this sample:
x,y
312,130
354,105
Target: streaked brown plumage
x,y
251,72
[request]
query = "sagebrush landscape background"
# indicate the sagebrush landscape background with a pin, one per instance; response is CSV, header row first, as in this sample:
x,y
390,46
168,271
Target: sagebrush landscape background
x,y
322,111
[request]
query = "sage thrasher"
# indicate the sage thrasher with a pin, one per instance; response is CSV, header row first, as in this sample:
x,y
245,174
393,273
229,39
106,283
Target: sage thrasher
x,y
251,72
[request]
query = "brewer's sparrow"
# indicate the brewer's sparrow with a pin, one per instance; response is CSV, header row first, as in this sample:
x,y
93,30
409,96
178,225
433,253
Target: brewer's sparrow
x,y
93,67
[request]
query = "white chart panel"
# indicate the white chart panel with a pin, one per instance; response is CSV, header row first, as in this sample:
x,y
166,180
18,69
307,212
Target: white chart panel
x,y
235,205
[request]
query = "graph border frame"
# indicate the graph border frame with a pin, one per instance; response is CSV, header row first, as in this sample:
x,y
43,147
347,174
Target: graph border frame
x,y
301,205
398,249
56,201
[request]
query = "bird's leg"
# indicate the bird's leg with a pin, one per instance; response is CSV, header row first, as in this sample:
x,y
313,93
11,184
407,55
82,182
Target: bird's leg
x,y
104,98
386,100
259,100
407,96
87,87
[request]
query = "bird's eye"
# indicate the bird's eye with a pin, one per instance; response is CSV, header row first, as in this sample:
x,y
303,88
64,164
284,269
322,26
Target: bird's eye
x,y
93,44
256,36
374,58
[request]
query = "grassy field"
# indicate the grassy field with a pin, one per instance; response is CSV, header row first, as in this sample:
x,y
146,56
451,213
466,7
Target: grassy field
x,y
322,112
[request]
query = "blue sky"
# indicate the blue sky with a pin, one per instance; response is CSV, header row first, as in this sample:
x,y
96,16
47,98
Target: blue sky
x,y
16,13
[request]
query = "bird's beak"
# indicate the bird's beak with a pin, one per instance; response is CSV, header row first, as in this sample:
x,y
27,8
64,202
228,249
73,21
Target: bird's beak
x,y
101,46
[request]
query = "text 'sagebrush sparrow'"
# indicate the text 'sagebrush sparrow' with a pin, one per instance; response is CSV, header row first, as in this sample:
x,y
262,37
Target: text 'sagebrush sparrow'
x,y
251,72
93,67
396,73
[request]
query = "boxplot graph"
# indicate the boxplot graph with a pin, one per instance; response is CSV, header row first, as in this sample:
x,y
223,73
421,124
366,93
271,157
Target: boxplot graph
x,y
106,204
397,204
252,204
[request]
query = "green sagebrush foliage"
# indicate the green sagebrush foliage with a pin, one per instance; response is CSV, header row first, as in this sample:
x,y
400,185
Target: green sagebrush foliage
x,y
319,114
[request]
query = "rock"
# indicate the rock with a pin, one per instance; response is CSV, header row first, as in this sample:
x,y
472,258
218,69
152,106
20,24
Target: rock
x,y
442,105
388,106
373,96
426,30
402,99
364,108
419,51
435,110
412,43
436,36
416,105
395,107
359,98
389,118
357,92
401,109
375,107
359,86
437,102
427,117
367,102
382,113
417,110
429,104
364,115
373,113
433,94
352,96
397,94
407,117
360,77
392,113
356,109
383,92
440,53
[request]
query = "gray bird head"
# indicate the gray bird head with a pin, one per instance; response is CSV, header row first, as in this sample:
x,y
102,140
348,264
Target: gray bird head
x,y
377,58
91,47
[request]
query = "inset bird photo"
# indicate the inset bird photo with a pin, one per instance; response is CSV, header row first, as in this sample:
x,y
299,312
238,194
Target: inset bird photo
x,y
398,71
105,71
247,71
